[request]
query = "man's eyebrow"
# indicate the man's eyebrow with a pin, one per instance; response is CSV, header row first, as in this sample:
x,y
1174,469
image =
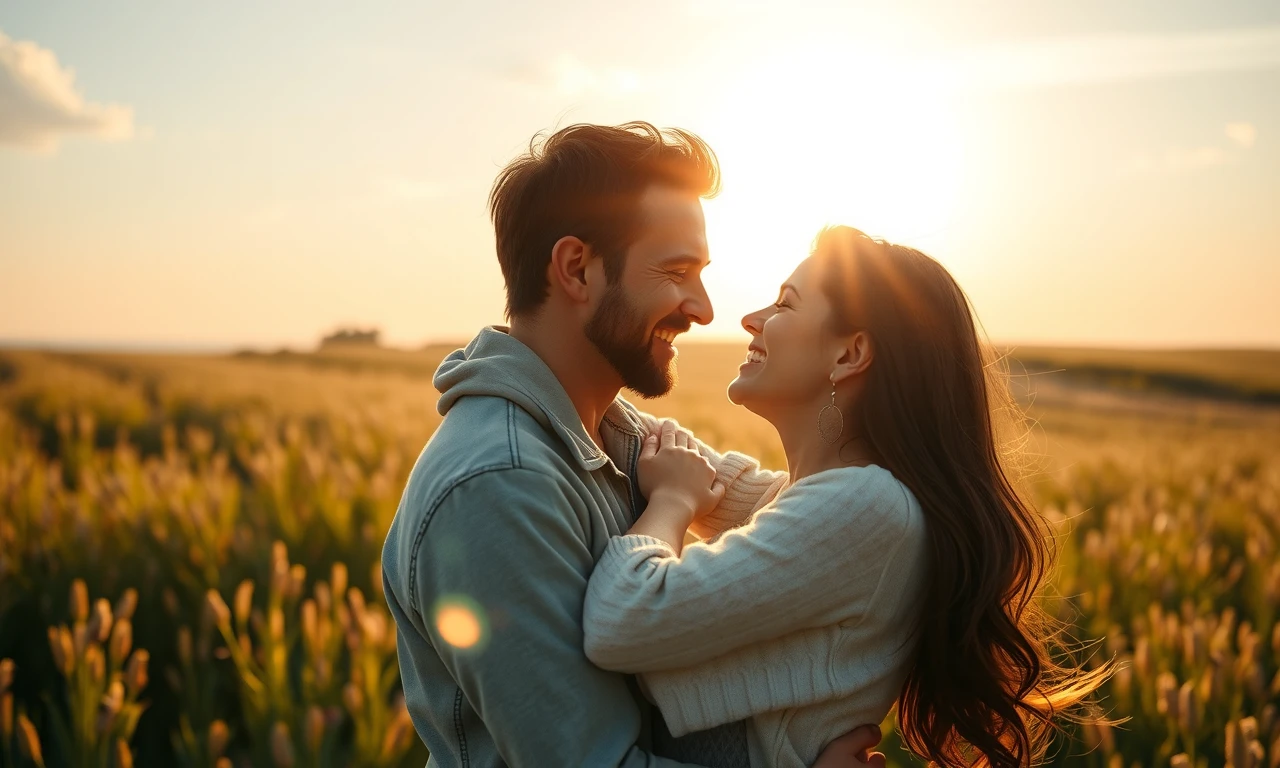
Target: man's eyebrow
x,y
685,259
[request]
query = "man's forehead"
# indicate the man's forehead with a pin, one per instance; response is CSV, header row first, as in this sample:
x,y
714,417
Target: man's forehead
x,y
663,205
669,213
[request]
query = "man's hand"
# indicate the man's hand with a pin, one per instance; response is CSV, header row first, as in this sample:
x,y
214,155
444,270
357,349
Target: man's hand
x,y
852,750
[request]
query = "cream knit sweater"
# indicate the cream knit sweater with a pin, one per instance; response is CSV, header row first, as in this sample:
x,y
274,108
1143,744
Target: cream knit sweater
x,y
801,619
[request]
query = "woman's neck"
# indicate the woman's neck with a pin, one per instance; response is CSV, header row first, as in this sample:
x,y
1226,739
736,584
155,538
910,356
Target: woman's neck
x,y
807,453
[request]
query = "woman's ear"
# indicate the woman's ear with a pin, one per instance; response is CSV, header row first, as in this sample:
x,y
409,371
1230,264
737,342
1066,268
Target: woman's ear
x,y
567,270
855,357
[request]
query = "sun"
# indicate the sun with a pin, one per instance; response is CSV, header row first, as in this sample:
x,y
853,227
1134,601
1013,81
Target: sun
x,y
810,140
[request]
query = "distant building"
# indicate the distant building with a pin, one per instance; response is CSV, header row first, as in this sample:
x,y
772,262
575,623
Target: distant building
x,y
351,337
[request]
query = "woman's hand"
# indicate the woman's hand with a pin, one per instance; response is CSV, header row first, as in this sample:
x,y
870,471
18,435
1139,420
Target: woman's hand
x,y
677,477
679,483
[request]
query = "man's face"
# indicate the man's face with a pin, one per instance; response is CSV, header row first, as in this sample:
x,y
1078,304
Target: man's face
x,y
659,294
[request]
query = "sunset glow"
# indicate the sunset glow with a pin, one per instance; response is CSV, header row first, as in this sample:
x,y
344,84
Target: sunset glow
x,y
260,175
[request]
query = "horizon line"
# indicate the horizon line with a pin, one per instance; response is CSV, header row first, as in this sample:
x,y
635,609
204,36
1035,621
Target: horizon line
x,y
174,347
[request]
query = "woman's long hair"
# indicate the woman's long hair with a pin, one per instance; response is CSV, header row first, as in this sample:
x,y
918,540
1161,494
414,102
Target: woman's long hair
x,y
984,687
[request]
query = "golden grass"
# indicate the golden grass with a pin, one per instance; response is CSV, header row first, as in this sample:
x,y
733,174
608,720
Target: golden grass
x,y
234,508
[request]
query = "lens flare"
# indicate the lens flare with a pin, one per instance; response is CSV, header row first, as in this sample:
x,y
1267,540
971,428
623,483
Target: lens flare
x,y
460,621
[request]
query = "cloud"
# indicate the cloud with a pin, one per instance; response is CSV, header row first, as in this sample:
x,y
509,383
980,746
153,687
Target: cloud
x,y
40,104
1243,134
567,75
1177,160
1109,58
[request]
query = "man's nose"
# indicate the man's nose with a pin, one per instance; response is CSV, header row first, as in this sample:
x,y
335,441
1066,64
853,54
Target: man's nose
x,y
697,306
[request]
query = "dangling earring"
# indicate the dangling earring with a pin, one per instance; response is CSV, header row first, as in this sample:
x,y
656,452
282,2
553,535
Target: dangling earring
x,y
830,419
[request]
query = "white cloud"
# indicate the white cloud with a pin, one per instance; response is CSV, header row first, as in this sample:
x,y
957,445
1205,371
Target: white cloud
x,y
40,104
1174,160
1113,58
568,75
1178,160
1243,134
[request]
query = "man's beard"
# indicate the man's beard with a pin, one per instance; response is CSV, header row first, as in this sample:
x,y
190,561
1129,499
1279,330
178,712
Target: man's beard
x,y
624,338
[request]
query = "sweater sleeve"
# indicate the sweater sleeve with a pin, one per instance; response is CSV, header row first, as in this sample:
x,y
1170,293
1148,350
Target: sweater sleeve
x,y
813,557
748,487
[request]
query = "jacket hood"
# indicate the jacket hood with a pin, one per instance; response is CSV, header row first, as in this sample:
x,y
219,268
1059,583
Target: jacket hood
x,y
496,365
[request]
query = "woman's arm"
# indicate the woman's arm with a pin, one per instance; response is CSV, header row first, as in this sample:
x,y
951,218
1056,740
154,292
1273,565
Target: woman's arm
x,y
814,557
747,486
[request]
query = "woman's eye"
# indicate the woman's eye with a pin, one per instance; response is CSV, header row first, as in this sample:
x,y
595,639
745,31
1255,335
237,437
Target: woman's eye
x,y
781,304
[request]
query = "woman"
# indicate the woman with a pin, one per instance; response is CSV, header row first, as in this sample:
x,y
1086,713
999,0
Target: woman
x,y
895,562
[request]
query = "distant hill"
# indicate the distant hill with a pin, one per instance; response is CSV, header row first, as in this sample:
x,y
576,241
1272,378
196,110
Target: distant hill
x,y
1240,375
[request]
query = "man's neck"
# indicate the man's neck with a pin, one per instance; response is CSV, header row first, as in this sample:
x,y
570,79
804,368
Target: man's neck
x,y
588,379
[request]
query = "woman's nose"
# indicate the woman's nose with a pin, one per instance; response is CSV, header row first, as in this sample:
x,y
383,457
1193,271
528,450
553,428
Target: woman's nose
x,y
753,323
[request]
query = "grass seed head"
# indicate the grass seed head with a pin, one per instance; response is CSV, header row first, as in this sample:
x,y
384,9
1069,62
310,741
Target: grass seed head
x,y
218,607
100,621
96,662
282,753
121,642
353,699
338,578
124,756
79,601
184,645
219,735
29,741
135,675
243,602
127,604
6,719
315,729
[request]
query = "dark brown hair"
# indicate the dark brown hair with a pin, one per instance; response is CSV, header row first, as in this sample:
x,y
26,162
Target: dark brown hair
x,y
586,181
987,681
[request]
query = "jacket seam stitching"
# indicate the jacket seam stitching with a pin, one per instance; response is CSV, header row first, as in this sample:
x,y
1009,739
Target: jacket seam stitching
x,y
426,520
513,435
459,730
628,429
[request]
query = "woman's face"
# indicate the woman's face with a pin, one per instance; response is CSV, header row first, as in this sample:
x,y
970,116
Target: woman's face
x,y
792,352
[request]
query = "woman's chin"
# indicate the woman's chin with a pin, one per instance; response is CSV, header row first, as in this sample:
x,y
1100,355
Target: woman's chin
x,y
739,392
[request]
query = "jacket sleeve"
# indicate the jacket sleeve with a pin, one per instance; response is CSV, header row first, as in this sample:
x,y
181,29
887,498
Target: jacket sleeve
x,y
814,557
747,486
500,579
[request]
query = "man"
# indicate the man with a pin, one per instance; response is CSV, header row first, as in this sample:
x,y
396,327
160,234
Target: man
x,y
601,241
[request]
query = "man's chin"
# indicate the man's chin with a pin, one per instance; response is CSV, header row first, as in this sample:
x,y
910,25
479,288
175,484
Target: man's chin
x,y
653,382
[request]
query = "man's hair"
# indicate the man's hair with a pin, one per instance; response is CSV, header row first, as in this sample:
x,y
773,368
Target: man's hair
x,y
586,181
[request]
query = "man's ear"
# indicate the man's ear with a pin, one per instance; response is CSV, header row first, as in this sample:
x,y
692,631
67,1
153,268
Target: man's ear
x,y
855,358
571,259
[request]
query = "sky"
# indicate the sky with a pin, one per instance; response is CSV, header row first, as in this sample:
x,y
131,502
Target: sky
x,y
260,173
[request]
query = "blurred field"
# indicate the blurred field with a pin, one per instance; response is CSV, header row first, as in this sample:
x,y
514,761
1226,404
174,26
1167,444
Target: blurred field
x,y
189,544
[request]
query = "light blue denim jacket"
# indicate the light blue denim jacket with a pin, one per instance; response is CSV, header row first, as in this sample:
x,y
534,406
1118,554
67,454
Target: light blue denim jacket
x,y
504,516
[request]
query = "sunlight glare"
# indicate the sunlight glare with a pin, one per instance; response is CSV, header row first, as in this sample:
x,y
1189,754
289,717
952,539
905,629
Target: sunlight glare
x,y
809,140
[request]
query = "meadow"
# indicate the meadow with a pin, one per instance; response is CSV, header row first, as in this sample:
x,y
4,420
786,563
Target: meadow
x,y
189,548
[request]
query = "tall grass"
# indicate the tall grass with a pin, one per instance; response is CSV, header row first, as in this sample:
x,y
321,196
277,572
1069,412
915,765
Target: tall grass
x,y
189,559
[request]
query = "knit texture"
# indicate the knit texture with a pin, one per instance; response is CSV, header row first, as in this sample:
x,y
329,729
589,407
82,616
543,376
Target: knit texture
x,y
747,486
801,619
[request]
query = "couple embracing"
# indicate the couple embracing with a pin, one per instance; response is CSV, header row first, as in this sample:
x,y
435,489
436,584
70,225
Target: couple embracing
x,y
577,583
